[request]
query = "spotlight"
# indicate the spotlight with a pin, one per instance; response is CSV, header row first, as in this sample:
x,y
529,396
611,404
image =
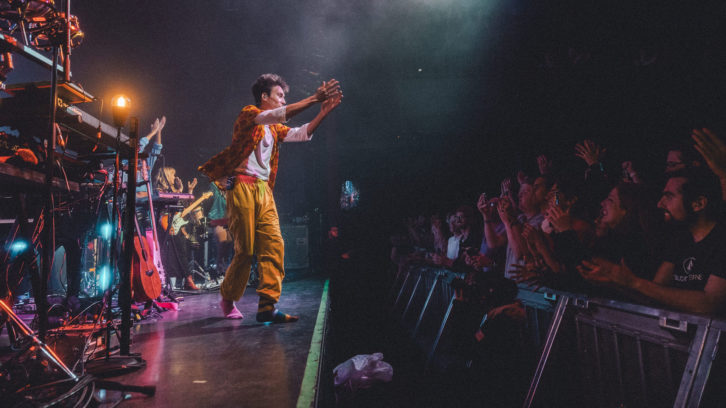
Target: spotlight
x,y
120,110
106,230
104,277
18,247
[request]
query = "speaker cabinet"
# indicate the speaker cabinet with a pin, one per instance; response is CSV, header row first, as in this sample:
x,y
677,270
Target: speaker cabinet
x,y
296,246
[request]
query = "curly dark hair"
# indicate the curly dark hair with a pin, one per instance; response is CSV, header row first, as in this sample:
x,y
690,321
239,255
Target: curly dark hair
x,y
265,83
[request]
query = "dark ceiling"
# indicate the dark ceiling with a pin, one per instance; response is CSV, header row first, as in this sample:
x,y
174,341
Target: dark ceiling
x,y
442,97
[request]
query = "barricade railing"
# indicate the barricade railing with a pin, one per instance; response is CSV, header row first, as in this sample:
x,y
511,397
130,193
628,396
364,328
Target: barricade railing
x,y
592,351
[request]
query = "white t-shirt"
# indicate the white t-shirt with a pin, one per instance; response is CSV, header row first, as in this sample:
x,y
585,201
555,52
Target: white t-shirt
x,y
258,162
452,250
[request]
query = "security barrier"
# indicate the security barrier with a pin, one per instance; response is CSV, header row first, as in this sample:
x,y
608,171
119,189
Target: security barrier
x,y
592,352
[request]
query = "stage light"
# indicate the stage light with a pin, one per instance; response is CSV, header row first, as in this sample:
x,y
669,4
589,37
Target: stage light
x,y
120,110
106,230
17,247
104,277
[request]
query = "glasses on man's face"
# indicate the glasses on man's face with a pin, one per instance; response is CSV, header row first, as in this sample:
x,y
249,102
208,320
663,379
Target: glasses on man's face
x,y
459,217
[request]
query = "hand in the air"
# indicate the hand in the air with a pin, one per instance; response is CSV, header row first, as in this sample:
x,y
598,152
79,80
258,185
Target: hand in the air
x,y
191,185
712,149
178,185
590,152
544,164
506,188
487,207
331,103
329,89
506,210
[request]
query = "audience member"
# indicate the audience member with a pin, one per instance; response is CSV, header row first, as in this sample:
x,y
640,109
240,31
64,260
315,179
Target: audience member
x,y
692,276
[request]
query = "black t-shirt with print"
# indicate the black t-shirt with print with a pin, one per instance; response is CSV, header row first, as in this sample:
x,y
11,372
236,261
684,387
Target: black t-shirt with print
x,y
696,261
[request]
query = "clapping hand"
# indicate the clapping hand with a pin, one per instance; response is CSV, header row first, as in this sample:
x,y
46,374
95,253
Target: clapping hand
x,y
544,164
712,149
559,219
600,270
178,185
590,152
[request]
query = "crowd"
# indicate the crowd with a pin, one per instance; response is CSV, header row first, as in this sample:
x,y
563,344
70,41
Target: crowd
x,y
650,235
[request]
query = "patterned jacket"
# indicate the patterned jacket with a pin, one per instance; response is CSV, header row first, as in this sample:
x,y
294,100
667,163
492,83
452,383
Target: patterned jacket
x,y
245,138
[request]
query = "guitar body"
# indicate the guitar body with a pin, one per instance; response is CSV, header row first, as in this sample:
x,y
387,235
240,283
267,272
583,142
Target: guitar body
x,y
145,281
154,239
177,223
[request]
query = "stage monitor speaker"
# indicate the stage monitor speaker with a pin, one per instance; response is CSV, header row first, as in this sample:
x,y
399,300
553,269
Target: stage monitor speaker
x,y
296,246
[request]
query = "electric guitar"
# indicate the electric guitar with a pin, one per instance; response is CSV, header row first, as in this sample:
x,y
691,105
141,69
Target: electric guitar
x,y
178,220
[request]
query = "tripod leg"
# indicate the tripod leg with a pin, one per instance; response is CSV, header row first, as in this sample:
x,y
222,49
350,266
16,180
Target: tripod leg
x,y
49,353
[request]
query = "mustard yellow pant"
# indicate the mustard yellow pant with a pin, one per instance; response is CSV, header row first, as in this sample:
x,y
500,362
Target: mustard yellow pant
x,y
255,228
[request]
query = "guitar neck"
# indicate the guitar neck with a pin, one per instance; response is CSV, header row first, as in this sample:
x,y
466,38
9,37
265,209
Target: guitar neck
x,y
150,193
193,205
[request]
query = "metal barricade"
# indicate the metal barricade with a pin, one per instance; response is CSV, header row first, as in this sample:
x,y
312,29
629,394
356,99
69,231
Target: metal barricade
x,y
592,352
620,354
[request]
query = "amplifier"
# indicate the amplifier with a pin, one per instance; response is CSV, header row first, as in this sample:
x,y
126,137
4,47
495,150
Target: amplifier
x,y
296,246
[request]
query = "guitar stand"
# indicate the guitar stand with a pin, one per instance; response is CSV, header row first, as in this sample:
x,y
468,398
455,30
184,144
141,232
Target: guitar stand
x,y
113,365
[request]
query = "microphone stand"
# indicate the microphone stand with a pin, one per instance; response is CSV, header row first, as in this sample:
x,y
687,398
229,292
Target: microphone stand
x,y
124,296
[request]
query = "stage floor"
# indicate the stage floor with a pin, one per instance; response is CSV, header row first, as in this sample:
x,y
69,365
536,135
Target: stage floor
x,y
197,358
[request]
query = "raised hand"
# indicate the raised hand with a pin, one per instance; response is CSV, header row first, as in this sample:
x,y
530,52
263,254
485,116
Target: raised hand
x,y
712,149
331,103
506,188
521,177
486,207
191,185
506,210
327,90
590,152
178,186
544,164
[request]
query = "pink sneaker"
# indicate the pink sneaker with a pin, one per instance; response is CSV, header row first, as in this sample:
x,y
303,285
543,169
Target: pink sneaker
x,y
230,310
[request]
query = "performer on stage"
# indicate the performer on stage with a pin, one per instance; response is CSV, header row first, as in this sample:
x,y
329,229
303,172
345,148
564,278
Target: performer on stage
x,y
251,160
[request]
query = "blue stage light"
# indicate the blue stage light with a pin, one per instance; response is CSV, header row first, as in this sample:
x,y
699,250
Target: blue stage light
x,y
106,231
104,277
18,246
